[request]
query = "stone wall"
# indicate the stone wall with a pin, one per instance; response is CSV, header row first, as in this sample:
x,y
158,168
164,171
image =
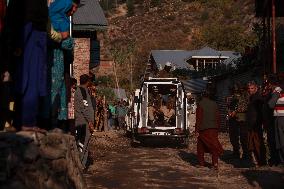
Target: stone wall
x,y
81,57
41,161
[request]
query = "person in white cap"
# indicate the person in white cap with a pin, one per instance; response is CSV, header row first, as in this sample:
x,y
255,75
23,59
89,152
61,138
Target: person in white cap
x,y
166,72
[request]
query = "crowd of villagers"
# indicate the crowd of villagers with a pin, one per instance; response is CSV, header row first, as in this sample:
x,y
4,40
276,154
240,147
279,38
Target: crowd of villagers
x,y
38,94
255,119
36,50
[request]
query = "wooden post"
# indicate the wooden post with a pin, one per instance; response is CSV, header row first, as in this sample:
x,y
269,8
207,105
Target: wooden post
x,y
197,69
264,44
274,65
131,73
106,126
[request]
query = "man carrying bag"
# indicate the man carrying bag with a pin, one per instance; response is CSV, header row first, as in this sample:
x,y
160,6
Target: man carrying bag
x,y
84,117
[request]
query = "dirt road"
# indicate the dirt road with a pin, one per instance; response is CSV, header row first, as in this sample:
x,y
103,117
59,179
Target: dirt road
x,y
117,164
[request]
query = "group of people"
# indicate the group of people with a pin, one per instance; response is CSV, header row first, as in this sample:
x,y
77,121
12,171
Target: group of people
x,y
35,52
37,92
252,111
117,114
161,111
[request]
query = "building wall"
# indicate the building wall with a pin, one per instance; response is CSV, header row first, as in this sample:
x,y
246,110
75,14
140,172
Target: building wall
x,y
81,57
105,68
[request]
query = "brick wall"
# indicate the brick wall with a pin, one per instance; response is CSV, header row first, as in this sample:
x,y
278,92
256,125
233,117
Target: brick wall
x,y
81,57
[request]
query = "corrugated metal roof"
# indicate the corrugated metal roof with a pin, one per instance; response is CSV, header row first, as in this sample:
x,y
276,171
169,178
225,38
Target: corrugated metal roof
x,y
234,56
176,57
206,51
89,16
195,85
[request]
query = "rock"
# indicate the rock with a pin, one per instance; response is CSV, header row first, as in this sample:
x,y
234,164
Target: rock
x,y
57,130
59,165
54,140
26,136
52,183
40,161
31,153
52,153
15,184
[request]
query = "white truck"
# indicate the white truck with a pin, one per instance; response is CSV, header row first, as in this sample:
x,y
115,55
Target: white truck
x,y
147,118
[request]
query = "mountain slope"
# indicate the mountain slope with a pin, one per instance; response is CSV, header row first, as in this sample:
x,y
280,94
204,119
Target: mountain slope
x,y
177,24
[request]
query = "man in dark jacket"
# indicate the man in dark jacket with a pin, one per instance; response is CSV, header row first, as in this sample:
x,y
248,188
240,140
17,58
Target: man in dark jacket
x,y
237,128
254,122
84,117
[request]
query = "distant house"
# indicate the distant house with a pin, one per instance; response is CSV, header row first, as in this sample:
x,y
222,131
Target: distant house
x,y
86,23
194,60
198,60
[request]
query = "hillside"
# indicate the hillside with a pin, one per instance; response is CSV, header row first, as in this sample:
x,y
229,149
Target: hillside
x,y
175,24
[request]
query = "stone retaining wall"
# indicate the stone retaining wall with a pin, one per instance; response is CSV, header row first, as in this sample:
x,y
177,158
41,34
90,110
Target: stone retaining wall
x,y
40,161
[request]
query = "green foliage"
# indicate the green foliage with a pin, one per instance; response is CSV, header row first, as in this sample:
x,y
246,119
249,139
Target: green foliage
x,y
130,7
107,92
121,54
105,81
227,37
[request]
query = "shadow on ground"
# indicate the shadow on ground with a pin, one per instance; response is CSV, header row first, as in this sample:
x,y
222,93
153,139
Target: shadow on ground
x,y
265,179
159,143
190,158
228,158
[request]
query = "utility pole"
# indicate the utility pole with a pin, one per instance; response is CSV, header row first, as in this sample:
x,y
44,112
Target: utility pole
x,y
131,74
274,65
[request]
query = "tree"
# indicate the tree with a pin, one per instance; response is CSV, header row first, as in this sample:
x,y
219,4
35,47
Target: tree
x,y
226,37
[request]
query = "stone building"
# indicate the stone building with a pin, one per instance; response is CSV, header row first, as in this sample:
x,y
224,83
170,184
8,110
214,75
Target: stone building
x,y
87,24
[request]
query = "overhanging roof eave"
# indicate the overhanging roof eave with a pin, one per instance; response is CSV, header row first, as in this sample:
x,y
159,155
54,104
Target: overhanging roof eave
x,y
89,27
217,57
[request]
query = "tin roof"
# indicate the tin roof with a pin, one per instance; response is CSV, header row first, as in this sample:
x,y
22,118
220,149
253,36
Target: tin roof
x,y
89,17
176,57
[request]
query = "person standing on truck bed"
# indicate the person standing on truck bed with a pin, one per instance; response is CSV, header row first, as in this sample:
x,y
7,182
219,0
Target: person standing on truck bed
x,y
166,72
206,128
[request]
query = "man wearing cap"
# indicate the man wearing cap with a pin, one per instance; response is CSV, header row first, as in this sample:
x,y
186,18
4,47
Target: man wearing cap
x,y
166,72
